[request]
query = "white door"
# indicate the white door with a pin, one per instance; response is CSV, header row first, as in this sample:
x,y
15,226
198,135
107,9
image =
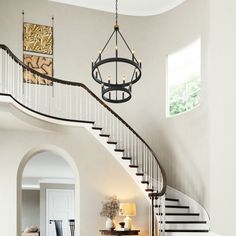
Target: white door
x,y
60,205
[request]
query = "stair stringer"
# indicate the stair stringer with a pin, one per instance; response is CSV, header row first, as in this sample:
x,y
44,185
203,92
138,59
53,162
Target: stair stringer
x,y
118,156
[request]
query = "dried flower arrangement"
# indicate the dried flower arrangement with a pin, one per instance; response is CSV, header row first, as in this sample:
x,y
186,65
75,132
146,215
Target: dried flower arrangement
x,y
110,208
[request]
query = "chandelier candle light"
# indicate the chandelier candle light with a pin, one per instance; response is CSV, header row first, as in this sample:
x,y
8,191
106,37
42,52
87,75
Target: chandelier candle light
x,y
117,88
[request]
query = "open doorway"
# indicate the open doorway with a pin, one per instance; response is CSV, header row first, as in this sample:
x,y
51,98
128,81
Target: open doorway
x,y
47,196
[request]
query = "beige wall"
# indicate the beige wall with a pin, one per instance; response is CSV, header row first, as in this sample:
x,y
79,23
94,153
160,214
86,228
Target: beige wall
x,y
221,62
100,175
197,147
180,142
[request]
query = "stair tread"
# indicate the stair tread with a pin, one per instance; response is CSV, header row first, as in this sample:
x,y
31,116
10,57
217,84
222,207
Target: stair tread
x,y
149,190
97,128
126,158
119,150
140,174
170,206
111,142
187,230
133,166
182,214
172,199
104,135
185,222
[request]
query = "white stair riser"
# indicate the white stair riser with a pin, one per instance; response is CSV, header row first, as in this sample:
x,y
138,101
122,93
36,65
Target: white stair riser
x,y
182,218
172,203
187,234
187,226
177,210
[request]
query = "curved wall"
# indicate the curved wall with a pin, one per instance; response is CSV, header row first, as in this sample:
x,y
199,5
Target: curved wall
x,y
221,63
181,142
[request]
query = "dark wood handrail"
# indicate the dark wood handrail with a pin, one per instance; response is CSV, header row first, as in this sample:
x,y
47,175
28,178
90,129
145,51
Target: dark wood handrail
x,y
17,60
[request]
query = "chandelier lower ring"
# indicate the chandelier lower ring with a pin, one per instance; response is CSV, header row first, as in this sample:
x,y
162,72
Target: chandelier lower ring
x,y
107,91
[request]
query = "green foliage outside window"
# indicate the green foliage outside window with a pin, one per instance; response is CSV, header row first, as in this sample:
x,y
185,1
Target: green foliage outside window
x,y
185,96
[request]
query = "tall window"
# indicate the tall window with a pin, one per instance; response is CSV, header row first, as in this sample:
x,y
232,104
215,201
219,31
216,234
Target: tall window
x,y
184,79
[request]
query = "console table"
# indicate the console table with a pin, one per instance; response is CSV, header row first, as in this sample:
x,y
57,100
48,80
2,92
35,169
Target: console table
x,y
119,232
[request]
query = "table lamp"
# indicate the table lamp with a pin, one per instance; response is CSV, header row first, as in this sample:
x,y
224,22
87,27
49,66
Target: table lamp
x,y
127,209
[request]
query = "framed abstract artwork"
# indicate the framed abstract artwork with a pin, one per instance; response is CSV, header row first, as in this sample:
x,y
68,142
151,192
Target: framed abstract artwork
x,y
38,38
41,64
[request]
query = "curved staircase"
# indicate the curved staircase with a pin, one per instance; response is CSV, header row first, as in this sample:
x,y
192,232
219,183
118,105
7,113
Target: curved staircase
x,y
180,219
74,102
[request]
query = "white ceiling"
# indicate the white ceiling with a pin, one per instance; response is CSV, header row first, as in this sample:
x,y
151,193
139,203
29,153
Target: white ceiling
x,y
47,167
127,7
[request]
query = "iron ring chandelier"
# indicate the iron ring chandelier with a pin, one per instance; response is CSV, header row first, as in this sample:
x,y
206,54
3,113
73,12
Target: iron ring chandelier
x,y
113,88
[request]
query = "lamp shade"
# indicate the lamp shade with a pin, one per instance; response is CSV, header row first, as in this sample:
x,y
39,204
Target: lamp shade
x,y
127,209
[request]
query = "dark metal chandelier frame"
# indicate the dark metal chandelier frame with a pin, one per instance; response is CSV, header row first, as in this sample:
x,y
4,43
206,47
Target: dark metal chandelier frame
x,y
111,90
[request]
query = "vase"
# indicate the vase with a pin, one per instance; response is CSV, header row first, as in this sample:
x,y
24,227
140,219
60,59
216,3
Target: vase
x,y
110,224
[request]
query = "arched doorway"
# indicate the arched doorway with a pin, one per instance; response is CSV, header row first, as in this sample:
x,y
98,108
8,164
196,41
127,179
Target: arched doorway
x,y
48,190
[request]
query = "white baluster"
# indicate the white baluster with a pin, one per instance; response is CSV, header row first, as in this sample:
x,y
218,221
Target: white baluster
x,y
124,138
76,103
18,97
114,128
13,77
1,71
7,75
21,83
4,73
70,102
27,89
87,106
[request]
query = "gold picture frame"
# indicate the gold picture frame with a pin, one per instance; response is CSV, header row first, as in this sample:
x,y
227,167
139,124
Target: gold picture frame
x,y
38,38
41,64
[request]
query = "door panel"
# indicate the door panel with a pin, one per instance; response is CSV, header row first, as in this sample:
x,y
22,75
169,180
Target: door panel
x,y
59,206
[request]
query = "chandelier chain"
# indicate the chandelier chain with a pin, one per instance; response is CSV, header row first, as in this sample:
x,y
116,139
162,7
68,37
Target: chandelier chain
x,y
116,12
